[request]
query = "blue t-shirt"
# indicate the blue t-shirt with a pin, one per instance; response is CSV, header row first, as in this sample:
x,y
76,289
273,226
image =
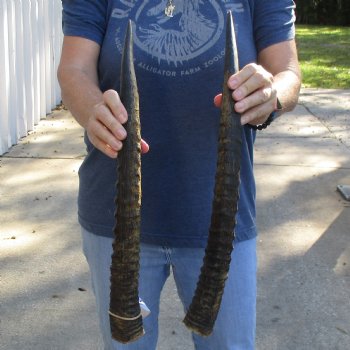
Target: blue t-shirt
x,y
179,70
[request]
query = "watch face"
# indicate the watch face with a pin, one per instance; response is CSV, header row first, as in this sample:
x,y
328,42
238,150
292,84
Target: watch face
x,y
279,105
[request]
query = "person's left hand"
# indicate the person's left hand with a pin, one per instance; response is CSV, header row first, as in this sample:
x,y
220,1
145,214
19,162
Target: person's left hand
x,y
254,94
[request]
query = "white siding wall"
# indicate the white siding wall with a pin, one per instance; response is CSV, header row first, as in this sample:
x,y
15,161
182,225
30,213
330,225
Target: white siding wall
x,y
30,45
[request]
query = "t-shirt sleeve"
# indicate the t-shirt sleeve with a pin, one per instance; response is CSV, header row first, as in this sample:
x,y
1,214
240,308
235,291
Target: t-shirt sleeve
x,y
84,18
273,22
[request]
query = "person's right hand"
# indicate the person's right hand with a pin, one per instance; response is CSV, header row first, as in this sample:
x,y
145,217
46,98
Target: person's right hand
x,y
105,125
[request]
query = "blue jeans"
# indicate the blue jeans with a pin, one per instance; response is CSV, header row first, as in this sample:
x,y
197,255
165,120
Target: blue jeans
x,y
235,326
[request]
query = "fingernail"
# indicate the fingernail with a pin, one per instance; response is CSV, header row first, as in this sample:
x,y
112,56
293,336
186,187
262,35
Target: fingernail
x,y
123,118
121,133
238,93
116,145
233,83
114,154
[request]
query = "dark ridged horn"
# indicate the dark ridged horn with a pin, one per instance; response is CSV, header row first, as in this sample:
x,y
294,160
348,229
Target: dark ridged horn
x,y
124,313
205,305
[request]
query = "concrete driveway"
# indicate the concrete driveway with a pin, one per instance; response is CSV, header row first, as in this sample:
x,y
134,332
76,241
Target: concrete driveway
x,y
46,300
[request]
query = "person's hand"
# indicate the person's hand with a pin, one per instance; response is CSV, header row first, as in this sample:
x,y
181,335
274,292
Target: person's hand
x,y
254,94
104,127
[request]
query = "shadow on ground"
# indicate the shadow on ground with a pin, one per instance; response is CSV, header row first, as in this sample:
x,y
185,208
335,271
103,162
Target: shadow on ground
x,y
304,253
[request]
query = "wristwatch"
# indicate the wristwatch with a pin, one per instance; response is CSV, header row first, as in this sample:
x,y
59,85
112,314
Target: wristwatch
x,y
279,105
269,120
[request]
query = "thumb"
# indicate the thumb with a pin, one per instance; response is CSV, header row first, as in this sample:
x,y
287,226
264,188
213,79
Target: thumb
x,y
218,100
144,146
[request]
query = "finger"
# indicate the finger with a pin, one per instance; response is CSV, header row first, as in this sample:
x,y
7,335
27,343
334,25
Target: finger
x,y
108,151
107,119
253,77
218,100
144,146
257,98
112,100
243,75
103,146
97,132
256,115
254,83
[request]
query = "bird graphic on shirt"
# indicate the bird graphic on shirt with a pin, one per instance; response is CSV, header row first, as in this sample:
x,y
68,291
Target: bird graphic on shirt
x,y
178,38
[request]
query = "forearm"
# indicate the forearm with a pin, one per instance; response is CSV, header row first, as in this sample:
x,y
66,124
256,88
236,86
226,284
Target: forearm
x,y
282,62
287,85
80,92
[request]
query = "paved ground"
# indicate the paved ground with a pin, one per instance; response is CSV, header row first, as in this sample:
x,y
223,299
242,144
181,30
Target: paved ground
x,y
304,244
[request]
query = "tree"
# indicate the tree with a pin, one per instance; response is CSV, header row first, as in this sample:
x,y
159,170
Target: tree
x,y
333,12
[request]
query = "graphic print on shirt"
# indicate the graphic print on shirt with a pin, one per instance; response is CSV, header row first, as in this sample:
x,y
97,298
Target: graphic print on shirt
x,y
195,28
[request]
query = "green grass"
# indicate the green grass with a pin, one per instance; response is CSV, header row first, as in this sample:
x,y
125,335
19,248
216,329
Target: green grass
x,y
324,55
